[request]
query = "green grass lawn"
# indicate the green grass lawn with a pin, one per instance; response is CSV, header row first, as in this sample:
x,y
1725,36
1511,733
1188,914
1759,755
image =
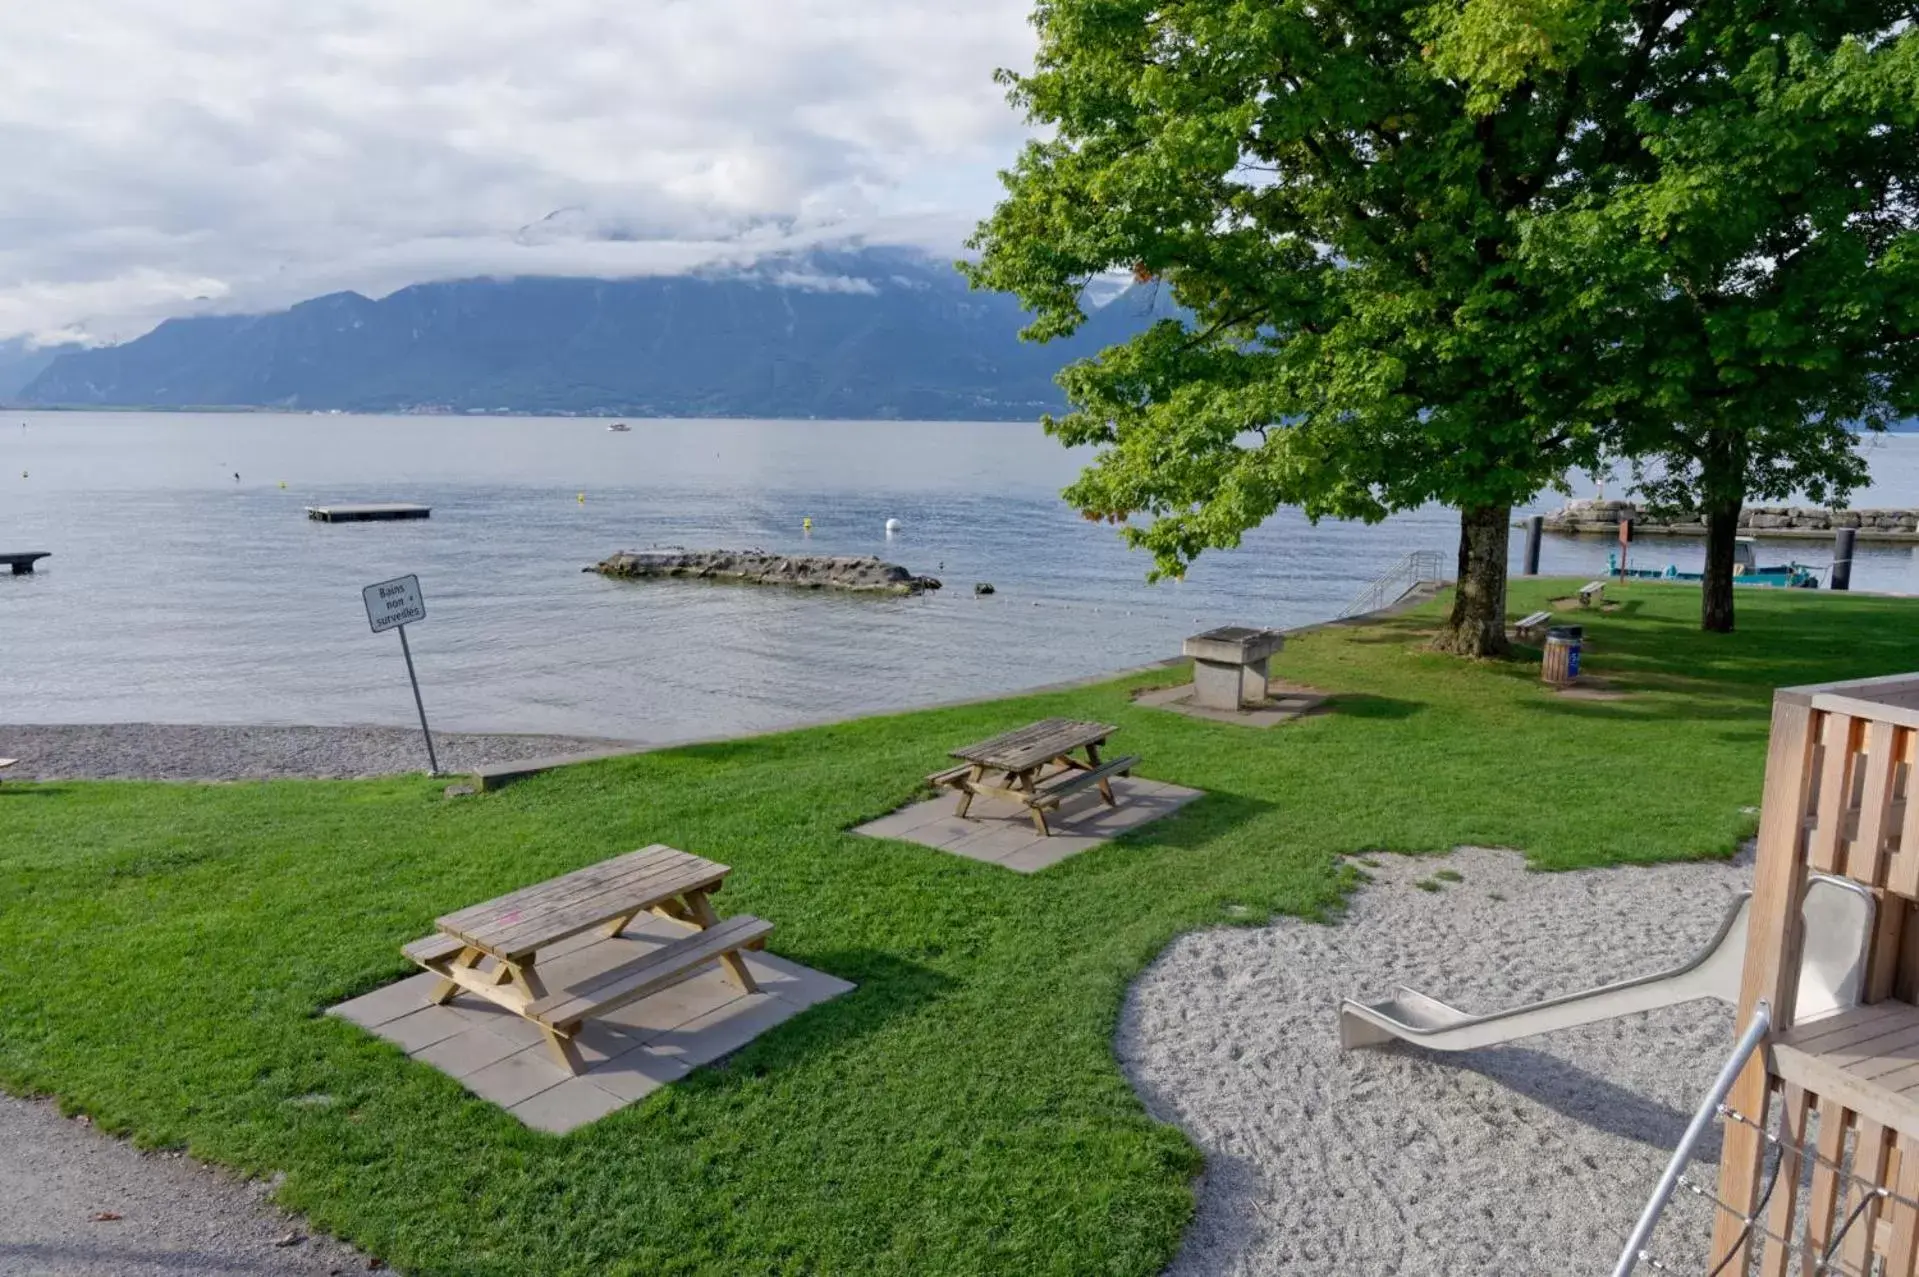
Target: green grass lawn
x,y
166,951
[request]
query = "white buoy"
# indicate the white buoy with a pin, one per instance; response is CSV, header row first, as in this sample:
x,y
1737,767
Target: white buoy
x,y
892,526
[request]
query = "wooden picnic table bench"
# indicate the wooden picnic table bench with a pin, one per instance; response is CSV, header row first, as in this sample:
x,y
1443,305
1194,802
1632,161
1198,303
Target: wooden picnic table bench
x,y
492,949
1533,625
1022,760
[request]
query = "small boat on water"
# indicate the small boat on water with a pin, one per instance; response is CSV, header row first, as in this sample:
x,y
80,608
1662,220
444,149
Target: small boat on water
x,y
1745,571
620,427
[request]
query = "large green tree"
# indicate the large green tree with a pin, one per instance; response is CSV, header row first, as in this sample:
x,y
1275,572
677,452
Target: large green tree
x,y
1759,260
1387,224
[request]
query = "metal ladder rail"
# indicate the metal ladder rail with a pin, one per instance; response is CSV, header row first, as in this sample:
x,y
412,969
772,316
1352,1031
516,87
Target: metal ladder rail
x,y
1702,1121
1415,568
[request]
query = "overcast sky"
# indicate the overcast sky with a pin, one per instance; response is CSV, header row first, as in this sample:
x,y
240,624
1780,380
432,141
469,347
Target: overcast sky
x,y
159,157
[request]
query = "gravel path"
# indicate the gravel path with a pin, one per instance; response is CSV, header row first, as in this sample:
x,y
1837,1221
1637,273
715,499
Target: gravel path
x,y
1535,1157
74,1203
154,751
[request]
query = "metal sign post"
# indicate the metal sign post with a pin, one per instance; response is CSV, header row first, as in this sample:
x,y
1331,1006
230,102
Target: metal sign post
x,y
394,605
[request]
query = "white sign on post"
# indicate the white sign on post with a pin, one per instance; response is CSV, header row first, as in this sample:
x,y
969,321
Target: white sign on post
x,y
395,602
394,605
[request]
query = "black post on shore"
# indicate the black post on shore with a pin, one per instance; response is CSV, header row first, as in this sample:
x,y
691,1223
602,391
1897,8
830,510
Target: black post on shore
x,y
1534,527
1842,540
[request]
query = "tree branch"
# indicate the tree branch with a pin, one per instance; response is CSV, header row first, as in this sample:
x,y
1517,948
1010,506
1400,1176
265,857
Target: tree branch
x,y
1614,148
1640,65
1542,177
1213,330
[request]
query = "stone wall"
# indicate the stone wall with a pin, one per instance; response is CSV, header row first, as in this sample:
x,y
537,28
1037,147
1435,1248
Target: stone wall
x,y
1602,518
803,571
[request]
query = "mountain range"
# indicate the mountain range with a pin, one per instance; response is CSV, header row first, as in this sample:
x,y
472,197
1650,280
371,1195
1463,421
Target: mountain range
x,y
872,333
21,362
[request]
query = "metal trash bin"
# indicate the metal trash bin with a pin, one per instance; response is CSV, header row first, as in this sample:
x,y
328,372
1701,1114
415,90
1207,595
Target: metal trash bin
x,y
1560,666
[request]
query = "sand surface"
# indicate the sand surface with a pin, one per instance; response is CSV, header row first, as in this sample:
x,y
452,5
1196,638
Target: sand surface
x,y
1534,1157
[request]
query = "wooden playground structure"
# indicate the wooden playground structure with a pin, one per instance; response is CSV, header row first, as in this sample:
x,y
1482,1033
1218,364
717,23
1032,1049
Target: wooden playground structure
x,y
1819,1169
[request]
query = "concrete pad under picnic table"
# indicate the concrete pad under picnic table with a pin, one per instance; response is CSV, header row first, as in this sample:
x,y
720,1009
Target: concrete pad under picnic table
x,y
1000,831
630,1052
1284,703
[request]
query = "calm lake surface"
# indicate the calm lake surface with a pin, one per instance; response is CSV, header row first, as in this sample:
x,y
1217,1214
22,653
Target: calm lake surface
x,y
177,593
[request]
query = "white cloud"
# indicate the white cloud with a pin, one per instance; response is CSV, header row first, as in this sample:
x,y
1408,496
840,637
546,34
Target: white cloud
x,y
160,158
814,282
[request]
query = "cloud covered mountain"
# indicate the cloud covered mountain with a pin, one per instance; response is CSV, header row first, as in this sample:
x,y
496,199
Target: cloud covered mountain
x,y
878,333
21,361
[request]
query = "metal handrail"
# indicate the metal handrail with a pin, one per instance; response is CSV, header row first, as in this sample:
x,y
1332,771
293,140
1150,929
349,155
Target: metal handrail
x,y
1416,568
1701,1122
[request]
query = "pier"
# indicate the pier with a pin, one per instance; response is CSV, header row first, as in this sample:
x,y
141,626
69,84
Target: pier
x,y
367,513
1601,518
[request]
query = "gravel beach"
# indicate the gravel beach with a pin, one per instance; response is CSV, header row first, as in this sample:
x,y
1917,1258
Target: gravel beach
x,y
76,1203
1534,1157
158,751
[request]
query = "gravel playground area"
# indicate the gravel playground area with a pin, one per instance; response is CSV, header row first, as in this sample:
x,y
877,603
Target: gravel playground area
x,y
76,1203
1534,1157
153,751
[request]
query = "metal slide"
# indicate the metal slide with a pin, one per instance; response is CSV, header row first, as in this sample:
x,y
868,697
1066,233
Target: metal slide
x,y
1837,922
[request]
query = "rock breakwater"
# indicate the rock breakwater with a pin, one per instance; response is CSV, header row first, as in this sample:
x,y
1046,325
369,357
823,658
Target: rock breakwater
x,y
751,567
1806,522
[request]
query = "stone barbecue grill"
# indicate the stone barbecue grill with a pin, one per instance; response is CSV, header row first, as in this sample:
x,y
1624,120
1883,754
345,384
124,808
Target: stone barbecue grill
x,y
1229,665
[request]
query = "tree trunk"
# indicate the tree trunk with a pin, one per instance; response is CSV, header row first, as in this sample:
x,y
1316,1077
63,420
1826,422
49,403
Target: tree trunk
x,y
1477,626
1722,530
1722,490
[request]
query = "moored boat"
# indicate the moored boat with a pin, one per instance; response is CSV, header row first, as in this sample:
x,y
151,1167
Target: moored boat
x,y
1746,570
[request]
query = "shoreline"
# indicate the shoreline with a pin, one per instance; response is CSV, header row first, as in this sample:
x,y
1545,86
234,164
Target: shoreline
x,y
379,749
269,410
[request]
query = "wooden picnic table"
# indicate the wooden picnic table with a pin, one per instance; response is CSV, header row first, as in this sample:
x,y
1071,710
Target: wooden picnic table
x,y
492,949
1035,766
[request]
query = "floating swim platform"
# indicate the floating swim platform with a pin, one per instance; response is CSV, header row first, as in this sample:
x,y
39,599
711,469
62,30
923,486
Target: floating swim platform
x,y
367,513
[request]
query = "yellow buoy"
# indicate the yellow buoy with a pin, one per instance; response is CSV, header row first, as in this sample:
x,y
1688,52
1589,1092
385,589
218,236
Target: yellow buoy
x,y
806,524
583,498
283,484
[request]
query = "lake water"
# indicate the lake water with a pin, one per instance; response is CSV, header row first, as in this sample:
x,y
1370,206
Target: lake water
x,y
177,593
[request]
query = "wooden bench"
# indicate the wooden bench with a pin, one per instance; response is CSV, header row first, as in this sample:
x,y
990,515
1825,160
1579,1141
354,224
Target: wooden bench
x,y
952,776
1591,592
428,950
563,1012
1531,627
1067,784
7,762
